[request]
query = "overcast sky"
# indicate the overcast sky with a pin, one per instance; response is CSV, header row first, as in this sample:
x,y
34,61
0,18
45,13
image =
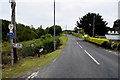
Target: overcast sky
x,y
40,12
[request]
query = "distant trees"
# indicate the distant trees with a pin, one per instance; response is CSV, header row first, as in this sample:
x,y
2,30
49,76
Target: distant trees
x,y
57,28
116,25
5,30
86,23
40,31
25,33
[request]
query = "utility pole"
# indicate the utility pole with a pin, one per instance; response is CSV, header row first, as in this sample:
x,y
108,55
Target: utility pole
x,y
66,30
93,26
54,28
13,21
66,27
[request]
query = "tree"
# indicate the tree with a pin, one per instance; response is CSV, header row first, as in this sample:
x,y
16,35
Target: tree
x,y
47,30
25,33
40,31
116,25
86,23
5,30
76,30
58,30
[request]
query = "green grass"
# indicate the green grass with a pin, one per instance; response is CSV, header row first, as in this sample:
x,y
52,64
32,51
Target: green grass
x,y
25,66
77,35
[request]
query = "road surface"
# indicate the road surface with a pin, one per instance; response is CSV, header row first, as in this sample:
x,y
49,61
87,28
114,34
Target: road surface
x,y
80,59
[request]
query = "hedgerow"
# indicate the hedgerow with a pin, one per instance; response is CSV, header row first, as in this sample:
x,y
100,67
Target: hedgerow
x,y
104,43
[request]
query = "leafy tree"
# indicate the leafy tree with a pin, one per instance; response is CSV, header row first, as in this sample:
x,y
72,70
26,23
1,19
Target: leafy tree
x,y
46,30
25,33
5,30
58,30
116,25
40,31
86,23
75,29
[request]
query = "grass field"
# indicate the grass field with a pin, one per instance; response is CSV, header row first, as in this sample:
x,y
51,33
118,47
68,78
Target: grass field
x,y
27,65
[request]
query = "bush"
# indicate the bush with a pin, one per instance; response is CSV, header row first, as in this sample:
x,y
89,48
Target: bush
x,y
114,45
106,44
48,44
31,49
46,36
119,46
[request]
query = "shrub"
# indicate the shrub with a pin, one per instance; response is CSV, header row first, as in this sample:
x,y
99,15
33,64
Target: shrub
x,y
48,44
114,45
46,36
106,44
119,46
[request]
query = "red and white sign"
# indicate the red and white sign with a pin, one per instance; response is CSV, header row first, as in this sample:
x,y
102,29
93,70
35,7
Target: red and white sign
x,y
17,45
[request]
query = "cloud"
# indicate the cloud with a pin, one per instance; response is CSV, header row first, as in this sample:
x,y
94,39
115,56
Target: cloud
x,y
40,12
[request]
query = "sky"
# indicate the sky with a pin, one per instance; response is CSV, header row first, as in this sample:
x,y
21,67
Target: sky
x,y
40,12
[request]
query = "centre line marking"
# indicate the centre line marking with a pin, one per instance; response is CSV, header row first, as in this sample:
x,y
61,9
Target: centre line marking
x,y
92,57
32,75
79,45
54,60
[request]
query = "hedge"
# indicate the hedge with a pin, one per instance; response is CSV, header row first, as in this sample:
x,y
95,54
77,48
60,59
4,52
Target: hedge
x,y
104,43
97,41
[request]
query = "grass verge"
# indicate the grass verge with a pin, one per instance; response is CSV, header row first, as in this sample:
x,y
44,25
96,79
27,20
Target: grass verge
x,y
78,35
25,66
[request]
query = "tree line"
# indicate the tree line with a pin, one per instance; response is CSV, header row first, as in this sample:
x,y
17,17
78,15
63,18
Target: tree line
x,y
25,33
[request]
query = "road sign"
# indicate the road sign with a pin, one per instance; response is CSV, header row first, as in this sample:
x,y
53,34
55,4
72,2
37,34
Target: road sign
x,y
10,26
12,37
10,34
17,45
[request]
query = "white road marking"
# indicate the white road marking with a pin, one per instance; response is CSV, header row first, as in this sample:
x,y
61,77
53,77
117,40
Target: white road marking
x,y
54,60
32,75
92,57
79,45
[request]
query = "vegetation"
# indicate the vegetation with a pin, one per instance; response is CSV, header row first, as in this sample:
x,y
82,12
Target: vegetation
x,y
86,23
77,35
57,28
104,43
23,31
116,25
27,65
32,39
97,41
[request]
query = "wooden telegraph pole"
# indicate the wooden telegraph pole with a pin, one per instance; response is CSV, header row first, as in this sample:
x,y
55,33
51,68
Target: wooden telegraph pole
x,y
13,21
